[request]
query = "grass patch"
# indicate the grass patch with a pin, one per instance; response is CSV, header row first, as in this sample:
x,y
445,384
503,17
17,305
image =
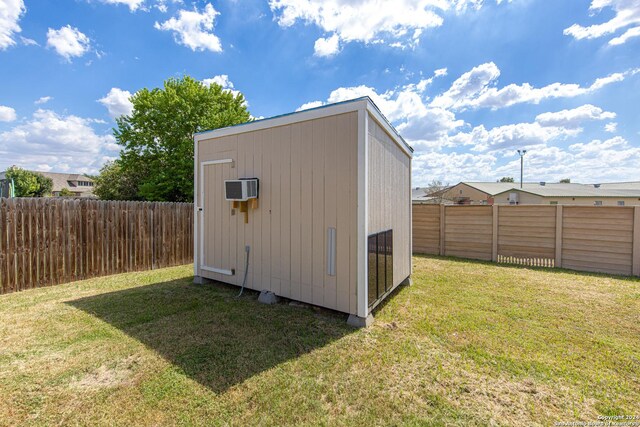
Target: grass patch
x,y
469,343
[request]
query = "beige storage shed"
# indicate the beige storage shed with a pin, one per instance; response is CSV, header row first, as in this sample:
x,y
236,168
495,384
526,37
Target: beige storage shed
x,y
317,201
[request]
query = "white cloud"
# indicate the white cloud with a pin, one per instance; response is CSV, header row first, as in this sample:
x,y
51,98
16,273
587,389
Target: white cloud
x,y
609,160
451,167
117,102
476,89
224,81
327,46
7,114
10,13
43,100
629,34
309,105
28,42
396,23
56,141
68,42
405,107
451,150
133,4
573,118
626,15
611,127
194,29
510,137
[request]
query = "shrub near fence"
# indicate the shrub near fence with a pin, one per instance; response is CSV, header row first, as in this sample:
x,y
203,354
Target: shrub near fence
x,y
49,241
585,238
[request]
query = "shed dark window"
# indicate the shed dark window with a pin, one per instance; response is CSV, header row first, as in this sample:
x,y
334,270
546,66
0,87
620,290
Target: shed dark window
x,y
380,265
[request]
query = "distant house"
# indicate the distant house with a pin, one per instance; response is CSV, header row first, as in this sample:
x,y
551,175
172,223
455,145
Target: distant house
x,y
422,196
504,193
78,184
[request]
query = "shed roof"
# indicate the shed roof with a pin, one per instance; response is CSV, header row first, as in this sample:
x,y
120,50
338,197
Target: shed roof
x,y
310,114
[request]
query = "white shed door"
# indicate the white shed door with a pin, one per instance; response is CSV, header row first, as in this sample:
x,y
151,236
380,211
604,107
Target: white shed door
x,y
217,225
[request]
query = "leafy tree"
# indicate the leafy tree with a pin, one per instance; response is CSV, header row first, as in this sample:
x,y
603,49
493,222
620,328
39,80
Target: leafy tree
x,y
65,192
506,179
565,181
29,184
113,183
156,139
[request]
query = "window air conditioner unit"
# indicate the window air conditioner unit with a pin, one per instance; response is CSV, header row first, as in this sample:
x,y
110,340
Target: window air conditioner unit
x,y
241,189
513,198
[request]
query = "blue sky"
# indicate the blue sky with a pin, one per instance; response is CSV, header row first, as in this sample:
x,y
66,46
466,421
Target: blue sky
x,y
467,82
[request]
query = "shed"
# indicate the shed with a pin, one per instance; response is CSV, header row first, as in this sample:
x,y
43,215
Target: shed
x,y
331,224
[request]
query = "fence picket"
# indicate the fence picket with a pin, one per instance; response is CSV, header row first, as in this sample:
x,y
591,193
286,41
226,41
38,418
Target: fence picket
x,y
49,241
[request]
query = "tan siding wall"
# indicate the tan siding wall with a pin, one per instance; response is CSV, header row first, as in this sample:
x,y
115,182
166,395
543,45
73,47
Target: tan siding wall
x,y
523,199
308,183
463,190
389,185
532,199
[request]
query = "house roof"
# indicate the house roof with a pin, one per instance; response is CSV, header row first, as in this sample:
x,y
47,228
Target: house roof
x,y
576,190
64,180
309,114
552,189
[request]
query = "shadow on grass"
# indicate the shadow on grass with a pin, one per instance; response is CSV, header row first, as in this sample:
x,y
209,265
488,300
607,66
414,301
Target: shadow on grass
x,y
212,336
527,267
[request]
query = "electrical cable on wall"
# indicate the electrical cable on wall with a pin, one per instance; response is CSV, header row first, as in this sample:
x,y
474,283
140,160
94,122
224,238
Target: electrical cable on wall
x,y
246,271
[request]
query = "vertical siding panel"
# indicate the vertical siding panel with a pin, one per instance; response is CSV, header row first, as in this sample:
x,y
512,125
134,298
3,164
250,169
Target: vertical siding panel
x,y
330,203
353,213
317,219
255,269
267,152
296,211
306,216
242,234
275,155
285,219
341,189
225,247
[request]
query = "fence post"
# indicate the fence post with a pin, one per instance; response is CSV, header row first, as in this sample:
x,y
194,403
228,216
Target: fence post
x,y
494,239
442,213
636,241
558,261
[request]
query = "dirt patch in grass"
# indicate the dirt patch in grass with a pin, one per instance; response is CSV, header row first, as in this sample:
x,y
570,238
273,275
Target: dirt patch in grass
x,y
113,375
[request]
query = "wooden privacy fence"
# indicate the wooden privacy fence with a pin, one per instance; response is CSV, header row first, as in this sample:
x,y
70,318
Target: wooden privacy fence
x,y
49,241
593,238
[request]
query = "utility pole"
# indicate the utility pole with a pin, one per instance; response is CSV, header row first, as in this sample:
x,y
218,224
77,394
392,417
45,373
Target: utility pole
x,y
521,153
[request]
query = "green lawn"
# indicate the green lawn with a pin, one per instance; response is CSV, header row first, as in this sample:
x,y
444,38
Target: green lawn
x,y
468,343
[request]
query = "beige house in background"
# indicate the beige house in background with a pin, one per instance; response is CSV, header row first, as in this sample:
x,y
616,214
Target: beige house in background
x,y
503,193
331,225
78,184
